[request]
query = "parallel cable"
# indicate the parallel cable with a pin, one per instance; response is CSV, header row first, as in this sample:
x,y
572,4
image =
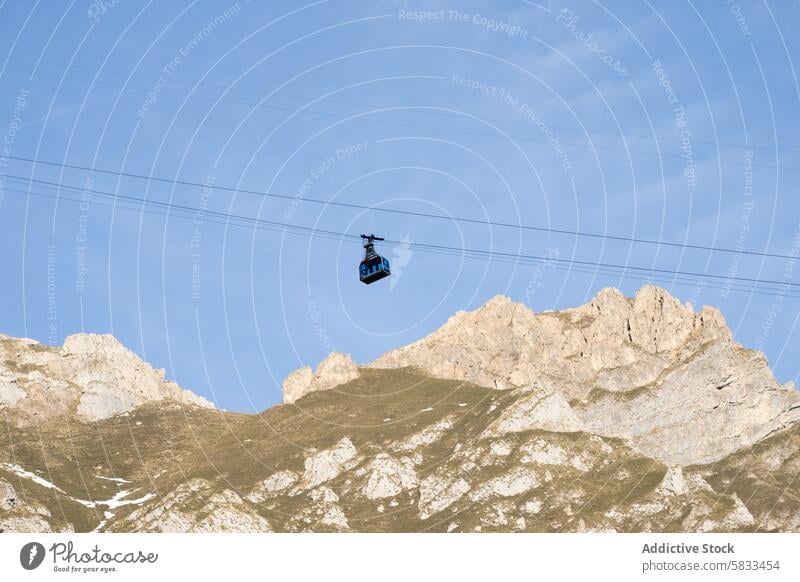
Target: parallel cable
x,y
241,221
783,286
350,205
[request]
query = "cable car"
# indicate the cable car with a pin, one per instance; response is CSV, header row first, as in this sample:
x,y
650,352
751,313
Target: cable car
x,y
374,267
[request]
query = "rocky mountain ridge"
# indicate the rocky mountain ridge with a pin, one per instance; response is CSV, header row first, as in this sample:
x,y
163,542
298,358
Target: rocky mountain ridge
x,y
646,368
91,377
625,414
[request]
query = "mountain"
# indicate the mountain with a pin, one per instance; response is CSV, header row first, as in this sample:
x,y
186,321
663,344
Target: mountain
x,y
647,369
625,414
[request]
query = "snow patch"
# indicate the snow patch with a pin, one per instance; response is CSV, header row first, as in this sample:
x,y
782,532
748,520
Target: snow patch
x,y
117,501
20,472
115,479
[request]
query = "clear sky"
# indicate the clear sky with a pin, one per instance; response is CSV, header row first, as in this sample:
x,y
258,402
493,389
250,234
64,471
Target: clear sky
x,y
673,121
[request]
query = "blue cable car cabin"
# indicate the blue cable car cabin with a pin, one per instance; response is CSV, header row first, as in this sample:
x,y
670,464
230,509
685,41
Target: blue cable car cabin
x,y
374,267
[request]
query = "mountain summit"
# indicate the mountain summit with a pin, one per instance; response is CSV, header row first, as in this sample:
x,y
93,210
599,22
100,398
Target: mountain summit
x,y
645,368
624,414
91,377
613,342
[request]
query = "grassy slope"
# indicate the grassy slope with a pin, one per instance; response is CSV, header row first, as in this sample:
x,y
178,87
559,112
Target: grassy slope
x,y
160,446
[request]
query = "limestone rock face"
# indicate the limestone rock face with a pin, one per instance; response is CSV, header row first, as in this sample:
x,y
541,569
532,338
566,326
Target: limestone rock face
x,y
719,400
616,342
438,492
273,485
389,477
10,392
8,497
113,379
19,515
336,369
516,482
327,464
647,369
297,384
222,511
538,410
93,376
673,482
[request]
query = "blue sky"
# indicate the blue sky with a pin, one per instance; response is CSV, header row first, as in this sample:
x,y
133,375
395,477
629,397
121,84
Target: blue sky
x,y
674,121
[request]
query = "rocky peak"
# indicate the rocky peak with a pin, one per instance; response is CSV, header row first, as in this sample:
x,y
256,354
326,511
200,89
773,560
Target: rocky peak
x,y
504,344
336,369
647,368
93,345
614,342
93,376
499,302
